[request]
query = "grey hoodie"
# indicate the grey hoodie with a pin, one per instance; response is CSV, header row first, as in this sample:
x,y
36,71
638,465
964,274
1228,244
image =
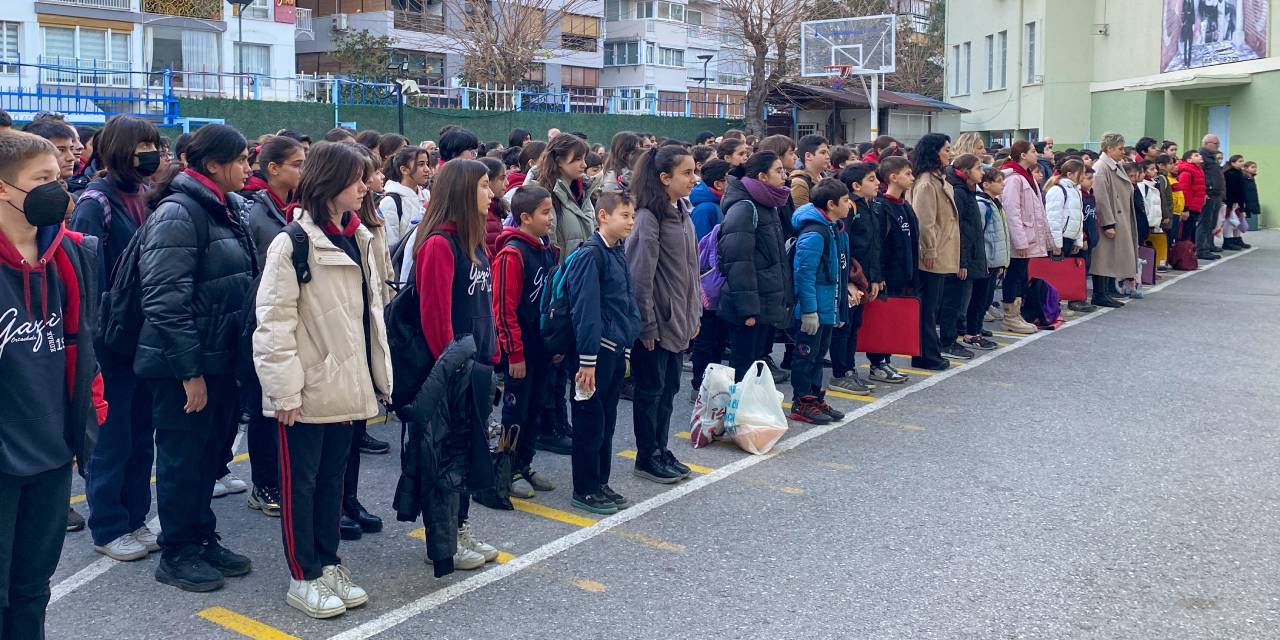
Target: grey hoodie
x,y
663,257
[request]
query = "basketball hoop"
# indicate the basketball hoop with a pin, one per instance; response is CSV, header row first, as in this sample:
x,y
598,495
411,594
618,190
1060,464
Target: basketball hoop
x,y
840,74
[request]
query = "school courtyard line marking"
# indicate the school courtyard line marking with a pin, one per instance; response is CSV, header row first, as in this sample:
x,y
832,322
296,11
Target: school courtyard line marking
x,y
243,625
440,597
630,454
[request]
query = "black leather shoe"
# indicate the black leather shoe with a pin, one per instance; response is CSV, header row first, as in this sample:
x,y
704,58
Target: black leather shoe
x,y
656,470
229,563
368,522
370,444
557,443
675,465
1107,302
349,529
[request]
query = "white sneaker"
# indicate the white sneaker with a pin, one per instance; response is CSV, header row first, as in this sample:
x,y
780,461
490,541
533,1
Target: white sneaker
x,y
229,484
314,598
465,559
467,541
126,548
338,579
147,538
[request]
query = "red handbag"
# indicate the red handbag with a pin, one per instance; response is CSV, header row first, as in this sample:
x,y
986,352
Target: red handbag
x,y
1066,275
890,325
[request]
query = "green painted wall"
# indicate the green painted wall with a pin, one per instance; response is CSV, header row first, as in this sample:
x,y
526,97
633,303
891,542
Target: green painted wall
x,y
258,117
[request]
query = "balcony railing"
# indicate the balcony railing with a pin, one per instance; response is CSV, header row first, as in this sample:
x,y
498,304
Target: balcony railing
x,y
122,5
79,71
416,21
207,9
303,20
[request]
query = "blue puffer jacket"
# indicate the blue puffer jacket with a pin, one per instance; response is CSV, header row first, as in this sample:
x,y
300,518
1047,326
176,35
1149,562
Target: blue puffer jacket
x,y
706,209
816,266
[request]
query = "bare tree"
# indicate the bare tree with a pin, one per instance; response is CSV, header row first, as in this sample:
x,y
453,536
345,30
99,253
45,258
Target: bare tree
x,y
920,56
501,40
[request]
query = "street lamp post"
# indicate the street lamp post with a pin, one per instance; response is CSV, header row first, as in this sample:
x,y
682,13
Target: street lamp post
x,y
706,60
242,5
403,68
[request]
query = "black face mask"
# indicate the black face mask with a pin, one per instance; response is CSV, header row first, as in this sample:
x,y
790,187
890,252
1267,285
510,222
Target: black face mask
x,y
45,205
148,163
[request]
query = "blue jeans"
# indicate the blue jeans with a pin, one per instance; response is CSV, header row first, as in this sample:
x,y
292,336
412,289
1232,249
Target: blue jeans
x,y
118,483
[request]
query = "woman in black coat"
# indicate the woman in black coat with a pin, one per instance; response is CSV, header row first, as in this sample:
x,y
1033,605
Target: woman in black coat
x,y
751,251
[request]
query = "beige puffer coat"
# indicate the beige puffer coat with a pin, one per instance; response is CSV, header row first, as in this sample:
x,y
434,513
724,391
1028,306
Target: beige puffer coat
x,y
309,348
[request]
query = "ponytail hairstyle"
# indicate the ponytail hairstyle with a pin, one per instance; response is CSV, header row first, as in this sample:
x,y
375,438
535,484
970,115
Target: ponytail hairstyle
x,y
622,152
212,143
1018,149
530,153
405,158
453,199
965,162
566,147
331,168
1069,167
646,178
759,162
276,150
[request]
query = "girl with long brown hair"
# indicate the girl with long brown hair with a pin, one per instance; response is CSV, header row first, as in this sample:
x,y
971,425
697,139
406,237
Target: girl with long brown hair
x,y
560,171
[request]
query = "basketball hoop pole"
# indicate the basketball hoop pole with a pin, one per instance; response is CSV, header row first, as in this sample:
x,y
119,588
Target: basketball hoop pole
x,y
873,101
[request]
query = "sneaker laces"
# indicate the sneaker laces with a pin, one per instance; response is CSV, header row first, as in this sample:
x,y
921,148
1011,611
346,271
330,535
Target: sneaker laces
x,y
342,577
464,536
324,590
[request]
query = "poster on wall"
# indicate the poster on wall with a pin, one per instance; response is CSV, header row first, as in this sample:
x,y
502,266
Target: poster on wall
x,y
286,11
1203,33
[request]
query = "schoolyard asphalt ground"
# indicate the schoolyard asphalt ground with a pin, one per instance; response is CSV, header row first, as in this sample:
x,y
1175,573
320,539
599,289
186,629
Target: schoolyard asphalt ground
x,y
1112,479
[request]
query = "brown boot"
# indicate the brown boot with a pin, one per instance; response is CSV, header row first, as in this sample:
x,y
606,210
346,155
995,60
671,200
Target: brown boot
x,y
1013,322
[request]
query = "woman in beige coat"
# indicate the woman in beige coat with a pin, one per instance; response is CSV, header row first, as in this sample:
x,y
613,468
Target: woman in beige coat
x,y
934,201
1116,254
320,350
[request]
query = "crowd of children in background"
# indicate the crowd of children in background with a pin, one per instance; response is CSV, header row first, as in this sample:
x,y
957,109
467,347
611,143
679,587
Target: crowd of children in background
x,y
381,273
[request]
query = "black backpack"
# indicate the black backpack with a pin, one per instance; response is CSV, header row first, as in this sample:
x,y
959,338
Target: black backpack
x,y
120,316
411,357
249,313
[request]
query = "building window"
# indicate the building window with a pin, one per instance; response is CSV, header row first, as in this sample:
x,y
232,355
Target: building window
x,y
619,54
254,59
613,10
997,60
579,80
644,10
960,54
87,49
670,57
1029,55
424,68
579,32
966,50
671,11
626,99
259,10
693,17
806,129
9,50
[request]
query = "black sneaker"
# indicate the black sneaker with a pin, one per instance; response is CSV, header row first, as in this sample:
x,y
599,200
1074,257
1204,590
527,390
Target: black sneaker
x,y
618,499
1206,255
266,500
75,521
656,470
229,563
557,443
780,375
628,391
1216,249
368,522
1080,306
884,372
370,444
670,460
349,529
1110,303
979,342
188,571
806,409
986,333
957,352
829,411
921,363
594,503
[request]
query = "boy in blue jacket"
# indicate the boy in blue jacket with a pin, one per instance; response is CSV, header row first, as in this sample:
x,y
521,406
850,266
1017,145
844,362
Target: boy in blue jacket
x,y
605,320
820,269
706,197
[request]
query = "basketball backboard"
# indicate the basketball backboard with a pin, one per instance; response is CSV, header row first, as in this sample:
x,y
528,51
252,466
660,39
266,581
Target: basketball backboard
x,y
866,43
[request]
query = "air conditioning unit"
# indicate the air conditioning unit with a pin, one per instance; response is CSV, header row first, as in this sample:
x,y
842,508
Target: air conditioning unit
x,y
340,22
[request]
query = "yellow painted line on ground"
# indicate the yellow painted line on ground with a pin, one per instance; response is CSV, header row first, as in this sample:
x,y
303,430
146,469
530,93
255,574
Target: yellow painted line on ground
x,y
630,454
918,372
640,538
590,586
684,435
81,498
1017,336
243,625
503,557
552,514
851,396
901,425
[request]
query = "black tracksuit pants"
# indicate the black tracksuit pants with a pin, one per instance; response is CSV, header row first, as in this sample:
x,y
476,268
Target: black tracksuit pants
x,y
313,462
522,400
931,289
955,304
33,512
748,344
657,379
844,344
979,302
189,458
594,420
806,361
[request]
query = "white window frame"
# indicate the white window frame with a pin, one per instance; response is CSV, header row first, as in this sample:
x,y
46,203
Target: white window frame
x,y
263,77
10,41
1002,60
611,50
805,129
668,10
259,10
629,99
614,10
1030,51
690,13
967,50
991,62
83,75
670,57
645,10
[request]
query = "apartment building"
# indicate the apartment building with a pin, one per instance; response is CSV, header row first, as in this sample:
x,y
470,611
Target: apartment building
x,y
671,55
424,33
124,49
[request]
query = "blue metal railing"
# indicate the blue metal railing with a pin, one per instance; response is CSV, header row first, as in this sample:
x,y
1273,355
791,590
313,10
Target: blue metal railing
x,y
87,91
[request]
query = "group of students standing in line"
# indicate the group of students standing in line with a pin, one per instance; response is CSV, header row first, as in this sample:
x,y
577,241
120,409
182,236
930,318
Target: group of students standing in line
x,y
335,245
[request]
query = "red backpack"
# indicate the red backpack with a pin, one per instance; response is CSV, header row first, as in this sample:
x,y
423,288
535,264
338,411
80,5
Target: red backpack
x,y
1183,256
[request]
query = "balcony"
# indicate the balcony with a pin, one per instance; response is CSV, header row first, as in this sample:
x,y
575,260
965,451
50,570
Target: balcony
x,y
119,5
419,22
302,25
205,9
84,72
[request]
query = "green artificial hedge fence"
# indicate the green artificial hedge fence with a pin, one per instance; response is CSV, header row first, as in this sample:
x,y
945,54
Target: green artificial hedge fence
x,y
255,118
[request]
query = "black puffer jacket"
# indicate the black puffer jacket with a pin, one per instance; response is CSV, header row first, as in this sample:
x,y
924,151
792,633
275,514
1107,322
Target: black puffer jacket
x,y
443,450
973,247
866,235
752,255
192,297
264,221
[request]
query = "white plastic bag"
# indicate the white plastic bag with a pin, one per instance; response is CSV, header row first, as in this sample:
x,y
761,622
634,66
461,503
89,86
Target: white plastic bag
x,y
706,424
755,417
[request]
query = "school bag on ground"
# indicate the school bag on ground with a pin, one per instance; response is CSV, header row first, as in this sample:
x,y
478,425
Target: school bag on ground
x,y
120,316
1066,274
1183,256
1041,305
556,323
890,324
706,423
755,418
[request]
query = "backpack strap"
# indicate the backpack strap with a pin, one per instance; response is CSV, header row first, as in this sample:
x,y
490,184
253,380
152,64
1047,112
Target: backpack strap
x,y
301,251
107,213
397,198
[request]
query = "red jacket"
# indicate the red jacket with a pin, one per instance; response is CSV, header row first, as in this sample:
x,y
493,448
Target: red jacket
x,y
1191,180
512,304
493,225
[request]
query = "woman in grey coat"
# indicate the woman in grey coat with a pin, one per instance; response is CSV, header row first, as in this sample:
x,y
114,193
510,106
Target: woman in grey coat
x,y
1116,254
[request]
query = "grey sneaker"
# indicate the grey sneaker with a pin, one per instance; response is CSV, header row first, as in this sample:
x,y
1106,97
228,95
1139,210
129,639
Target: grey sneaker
x,y
848,384
886,373
520,488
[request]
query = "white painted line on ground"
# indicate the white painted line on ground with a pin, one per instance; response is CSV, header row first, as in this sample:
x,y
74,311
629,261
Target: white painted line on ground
x,y
437,598
87,574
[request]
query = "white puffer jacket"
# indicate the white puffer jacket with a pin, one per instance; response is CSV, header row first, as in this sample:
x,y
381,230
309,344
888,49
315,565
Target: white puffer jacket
x,y
1064,206
309,346
400,220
